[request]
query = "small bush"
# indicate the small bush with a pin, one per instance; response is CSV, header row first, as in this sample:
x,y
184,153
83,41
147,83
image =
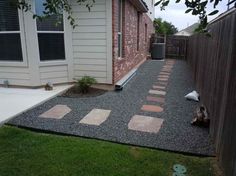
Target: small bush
x,y
85,83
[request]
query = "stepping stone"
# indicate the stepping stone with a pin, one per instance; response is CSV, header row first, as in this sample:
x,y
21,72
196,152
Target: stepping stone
x,y
162,79
164,73
162,83
163,76
159,87
145,124
57,112
152,108
96,117
156,99
168,66
157,92
165,69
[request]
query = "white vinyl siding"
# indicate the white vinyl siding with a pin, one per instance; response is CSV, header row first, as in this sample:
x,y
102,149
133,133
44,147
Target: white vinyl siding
x,y
90,41
54,74
15,75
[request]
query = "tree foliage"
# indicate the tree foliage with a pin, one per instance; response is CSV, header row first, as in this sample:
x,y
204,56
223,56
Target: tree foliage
x,y
164,27
196,7
53,7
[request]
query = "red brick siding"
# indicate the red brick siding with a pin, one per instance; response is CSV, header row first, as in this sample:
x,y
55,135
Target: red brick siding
x,y
131,57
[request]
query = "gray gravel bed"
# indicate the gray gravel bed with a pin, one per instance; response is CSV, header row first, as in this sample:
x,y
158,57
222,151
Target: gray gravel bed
x,y
176,134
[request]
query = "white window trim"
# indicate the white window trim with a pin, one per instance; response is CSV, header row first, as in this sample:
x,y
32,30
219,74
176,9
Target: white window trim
x,y
23,63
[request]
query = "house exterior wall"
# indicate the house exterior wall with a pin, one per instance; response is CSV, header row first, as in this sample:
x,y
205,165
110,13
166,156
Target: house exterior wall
x,y
88,49
92,41
32,72
130,56
15,75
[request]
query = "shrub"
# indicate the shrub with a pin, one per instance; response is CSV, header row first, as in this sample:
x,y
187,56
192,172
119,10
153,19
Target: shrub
x,y
85,83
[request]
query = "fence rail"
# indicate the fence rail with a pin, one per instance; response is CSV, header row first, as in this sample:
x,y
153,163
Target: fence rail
x,y
213,61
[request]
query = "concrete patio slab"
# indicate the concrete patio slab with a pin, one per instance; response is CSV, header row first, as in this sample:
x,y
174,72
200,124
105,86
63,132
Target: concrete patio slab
x,y
57,112
14,101
96,117
145,124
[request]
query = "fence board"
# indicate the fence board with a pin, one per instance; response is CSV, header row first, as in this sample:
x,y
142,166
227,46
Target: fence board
x,y
176,46
213,62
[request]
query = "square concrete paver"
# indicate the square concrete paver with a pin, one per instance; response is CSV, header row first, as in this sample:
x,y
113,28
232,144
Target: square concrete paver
x,y
162,83
157,92
164,73
151,108
162,79
159,87
96,117
145,124
166,70
156,99
163,76
57,112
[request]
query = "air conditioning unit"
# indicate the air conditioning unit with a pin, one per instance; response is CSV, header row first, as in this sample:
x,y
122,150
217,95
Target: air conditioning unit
x,y
158,51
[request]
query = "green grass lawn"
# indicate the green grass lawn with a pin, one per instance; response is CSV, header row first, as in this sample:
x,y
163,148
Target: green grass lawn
x,y
23,152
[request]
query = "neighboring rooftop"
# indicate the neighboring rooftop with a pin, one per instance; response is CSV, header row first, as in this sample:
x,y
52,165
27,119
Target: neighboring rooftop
x,y
188,31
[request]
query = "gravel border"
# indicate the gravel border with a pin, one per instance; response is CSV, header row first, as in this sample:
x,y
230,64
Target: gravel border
x,y
176,134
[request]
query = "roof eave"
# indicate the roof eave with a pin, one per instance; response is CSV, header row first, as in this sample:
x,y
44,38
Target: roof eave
x,y
140,5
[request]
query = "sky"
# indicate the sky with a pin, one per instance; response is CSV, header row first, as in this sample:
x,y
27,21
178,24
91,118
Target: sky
x,y
174,13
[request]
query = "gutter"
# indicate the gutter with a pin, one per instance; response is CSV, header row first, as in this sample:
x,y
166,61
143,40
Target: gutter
x,y
120,84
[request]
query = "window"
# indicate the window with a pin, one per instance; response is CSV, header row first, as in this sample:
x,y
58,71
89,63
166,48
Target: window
x,y
138,23
120,21
10,35
50,33
146,33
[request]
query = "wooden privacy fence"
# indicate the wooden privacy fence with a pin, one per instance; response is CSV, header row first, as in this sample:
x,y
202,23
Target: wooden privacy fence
x,y
213,61
176,47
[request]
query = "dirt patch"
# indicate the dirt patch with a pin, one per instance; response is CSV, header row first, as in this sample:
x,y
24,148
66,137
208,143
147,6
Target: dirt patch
x,y
134,151
74,92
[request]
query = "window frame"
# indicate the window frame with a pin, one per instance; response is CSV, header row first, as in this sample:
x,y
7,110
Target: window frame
x,y
64,32
138,31
24,62
120,30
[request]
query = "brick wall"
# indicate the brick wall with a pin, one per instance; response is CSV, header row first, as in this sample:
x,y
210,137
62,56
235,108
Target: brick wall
x,y
132,54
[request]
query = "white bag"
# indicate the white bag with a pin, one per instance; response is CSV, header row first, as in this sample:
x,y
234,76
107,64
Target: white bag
x,y
192,96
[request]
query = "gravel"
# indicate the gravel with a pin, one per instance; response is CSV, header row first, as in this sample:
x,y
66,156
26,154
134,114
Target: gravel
x,y
176,134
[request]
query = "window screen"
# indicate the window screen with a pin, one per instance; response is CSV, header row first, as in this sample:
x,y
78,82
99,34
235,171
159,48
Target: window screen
x,y
8,17
10,47
10,39
51,46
